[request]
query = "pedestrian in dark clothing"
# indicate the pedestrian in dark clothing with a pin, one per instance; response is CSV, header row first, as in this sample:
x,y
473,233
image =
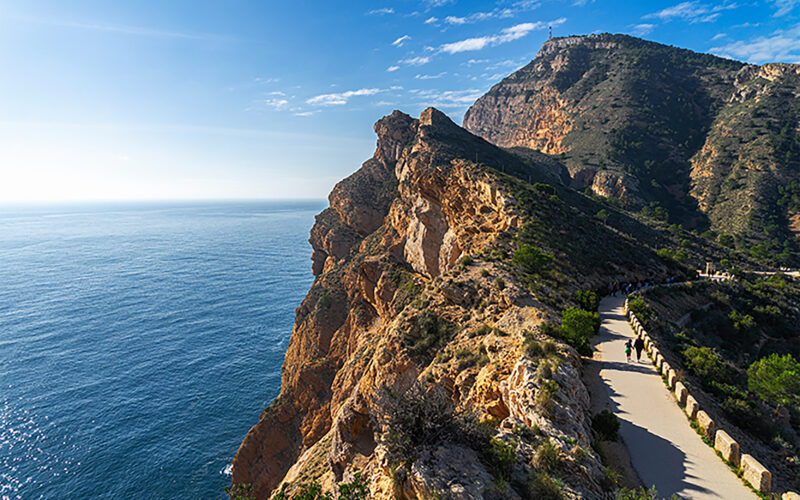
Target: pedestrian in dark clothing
x,y
628,350
639,346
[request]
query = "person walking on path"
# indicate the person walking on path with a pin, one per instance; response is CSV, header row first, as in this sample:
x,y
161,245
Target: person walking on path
x,y
628,349
639,346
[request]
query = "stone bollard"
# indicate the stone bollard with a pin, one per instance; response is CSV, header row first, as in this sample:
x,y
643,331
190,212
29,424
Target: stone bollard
x,y
790,495
691,407
729,448
665,368
680,392
672,379
706,424
756,474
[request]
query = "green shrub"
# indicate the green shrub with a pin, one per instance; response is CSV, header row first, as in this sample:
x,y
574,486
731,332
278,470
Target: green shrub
x,y
706,364
775,379
241,491
665,254
637,494
726,240
602,215
530,259
544,188
606,425
543,487
578,327
741,322
546,457
428,332
484,273
587,299
538,349
499,458
312,491
466,261
544,396
640,308
324,301
500,283
354,490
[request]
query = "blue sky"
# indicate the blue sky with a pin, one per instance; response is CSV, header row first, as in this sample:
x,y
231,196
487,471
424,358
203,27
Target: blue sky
x,y
200,99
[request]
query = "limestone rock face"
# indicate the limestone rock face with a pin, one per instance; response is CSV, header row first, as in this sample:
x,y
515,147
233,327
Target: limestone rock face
x,y
386,252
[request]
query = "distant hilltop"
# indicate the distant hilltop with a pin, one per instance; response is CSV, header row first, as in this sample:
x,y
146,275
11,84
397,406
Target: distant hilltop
x,y
712,141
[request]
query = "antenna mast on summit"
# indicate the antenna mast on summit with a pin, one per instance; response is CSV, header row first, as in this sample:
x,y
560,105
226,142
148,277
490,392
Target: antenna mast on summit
x,y
551,33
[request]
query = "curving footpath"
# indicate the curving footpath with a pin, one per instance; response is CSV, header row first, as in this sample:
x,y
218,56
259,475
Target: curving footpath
x,y
665,451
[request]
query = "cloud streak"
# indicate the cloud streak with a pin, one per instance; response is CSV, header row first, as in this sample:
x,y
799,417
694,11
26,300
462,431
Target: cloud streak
x,y
339,98
692,11
400,41
782,45
506,35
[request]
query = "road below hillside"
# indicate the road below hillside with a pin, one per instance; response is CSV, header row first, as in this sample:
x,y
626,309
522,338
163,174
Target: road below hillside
x,y
665,450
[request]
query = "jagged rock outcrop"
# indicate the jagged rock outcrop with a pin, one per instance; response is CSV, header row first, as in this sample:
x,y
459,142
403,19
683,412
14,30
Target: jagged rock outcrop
x,y
395,306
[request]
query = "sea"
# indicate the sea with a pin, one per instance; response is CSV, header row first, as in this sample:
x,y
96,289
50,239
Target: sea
x,y
140,341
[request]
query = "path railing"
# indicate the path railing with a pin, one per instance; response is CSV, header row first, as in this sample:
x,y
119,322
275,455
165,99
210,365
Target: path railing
x,y
747,467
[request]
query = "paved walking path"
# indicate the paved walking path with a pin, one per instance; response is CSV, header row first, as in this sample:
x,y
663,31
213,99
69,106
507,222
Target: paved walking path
x,y
665,450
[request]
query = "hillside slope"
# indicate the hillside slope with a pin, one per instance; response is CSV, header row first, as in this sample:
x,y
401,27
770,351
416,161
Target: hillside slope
x,y
714,142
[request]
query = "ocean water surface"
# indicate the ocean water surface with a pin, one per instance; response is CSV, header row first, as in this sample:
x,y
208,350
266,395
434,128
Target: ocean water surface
x,y
139,342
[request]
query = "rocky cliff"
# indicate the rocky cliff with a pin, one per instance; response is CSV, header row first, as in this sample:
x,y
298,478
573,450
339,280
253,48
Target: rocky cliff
x,y
711,141
437,265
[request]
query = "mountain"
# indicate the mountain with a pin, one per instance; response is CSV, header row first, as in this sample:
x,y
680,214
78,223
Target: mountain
x,y
711,142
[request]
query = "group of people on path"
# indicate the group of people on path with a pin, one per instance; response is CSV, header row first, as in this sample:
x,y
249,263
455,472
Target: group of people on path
x,y
627,288
638,345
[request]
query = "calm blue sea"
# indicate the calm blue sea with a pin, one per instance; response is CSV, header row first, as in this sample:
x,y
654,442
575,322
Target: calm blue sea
x,y
139,342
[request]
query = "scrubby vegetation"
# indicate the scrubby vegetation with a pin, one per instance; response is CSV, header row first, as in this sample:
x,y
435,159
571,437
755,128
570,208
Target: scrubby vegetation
x,y
427,332
741,347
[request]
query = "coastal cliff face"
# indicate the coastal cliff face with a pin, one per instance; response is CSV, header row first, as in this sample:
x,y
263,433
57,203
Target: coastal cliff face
x,y
713,142
416,293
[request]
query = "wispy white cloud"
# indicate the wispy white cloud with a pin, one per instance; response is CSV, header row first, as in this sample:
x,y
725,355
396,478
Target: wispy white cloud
x,y
339,98
381,11
400,41
472,62
276,103
718,36
448,98
746,25
417,61
392,68
431,20
304,113
430,77
692,11
780,46
506,35
642,29
784,6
